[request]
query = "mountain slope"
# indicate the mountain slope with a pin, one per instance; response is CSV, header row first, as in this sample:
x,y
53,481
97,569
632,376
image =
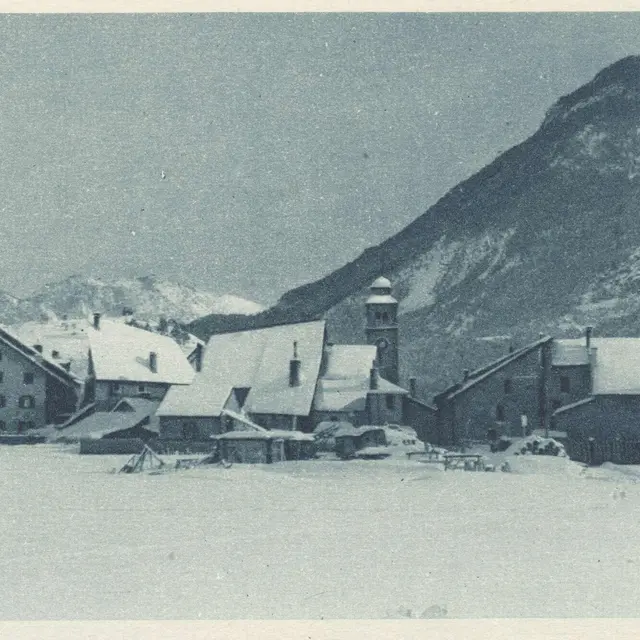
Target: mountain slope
x,y
150,298
545,238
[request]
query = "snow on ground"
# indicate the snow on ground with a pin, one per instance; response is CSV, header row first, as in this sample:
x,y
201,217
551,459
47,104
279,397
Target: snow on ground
x,y
314,539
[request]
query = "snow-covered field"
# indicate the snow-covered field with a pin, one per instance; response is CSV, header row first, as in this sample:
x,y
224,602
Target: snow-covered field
x,y
315,539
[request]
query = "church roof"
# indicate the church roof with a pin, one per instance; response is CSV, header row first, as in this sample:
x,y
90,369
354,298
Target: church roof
x,y
257,359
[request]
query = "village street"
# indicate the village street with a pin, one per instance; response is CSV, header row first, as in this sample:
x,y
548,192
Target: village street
x,y
314,539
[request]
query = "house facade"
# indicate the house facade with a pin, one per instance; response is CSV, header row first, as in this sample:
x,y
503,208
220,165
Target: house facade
x,y
605,423
127,362
34,391
509,397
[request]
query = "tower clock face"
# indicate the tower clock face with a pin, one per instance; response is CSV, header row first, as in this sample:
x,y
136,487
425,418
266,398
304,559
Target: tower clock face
x,y
382,343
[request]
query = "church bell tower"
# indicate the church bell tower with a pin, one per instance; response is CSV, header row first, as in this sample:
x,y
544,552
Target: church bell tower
x,y
382,328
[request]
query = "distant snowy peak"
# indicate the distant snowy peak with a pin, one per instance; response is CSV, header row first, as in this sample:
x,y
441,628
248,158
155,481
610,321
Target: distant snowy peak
x,y
228,304
146,297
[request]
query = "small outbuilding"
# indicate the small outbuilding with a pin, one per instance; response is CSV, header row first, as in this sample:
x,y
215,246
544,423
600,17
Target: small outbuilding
x,y
255,447
349,440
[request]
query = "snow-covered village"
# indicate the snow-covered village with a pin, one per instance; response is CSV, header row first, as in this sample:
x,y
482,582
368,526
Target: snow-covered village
x,y
339,398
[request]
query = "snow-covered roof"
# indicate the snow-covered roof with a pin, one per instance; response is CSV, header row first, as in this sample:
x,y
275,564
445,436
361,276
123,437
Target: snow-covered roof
x,y
377,298
67,338
122,352
256,359
244,420
381,283
345,383
354,432
298,436
381,292
103,423
50,367
569,352
247,435
616,363
573,405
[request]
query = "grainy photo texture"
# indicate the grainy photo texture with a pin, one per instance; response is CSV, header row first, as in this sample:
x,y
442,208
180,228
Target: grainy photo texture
x,y
319,316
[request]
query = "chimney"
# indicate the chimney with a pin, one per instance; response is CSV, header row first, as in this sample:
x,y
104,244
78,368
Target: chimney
x,y
588,332
66,366
373,378
96,320
55,354
412,387
294,368
38,347
153,361
465,375
511,348
198,357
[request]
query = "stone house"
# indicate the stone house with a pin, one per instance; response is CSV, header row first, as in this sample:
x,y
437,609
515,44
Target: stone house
x,y
34,391
579,388
610,412
507,397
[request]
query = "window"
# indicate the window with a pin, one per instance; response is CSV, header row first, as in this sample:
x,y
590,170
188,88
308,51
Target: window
x,y
141,388
27,377
378,315
1,376
114,389
508,385
27,402
500,413
0,355
3,425
3,401
385,317
390,399
565,384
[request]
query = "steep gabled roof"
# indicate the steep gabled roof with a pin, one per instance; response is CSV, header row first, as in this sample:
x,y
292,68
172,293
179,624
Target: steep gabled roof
x,y
256,359
422,403
121,352
490,369
103,423
38,360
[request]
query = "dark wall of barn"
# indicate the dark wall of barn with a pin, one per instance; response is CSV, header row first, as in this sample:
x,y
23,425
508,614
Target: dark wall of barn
x,y
422,418
494,406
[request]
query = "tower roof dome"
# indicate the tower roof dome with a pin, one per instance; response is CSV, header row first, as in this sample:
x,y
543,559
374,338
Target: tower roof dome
x,y
381,292
381,283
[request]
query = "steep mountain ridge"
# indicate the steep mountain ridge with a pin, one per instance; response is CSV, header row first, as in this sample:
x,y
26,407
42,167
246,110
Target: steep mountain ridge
x,y
545,238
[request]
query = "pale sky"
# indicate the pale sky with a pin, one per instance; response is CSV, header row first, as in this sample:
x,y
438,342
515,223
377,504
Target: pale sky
x,y
288,143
